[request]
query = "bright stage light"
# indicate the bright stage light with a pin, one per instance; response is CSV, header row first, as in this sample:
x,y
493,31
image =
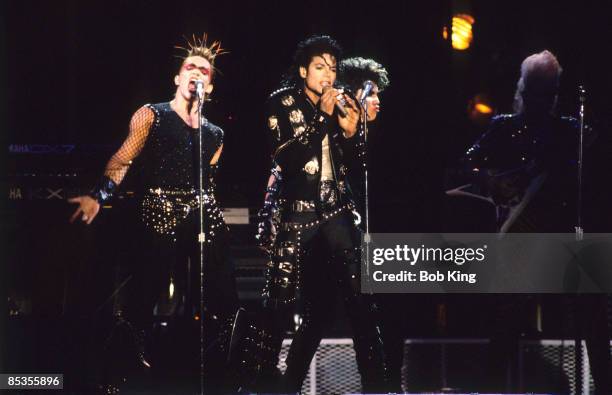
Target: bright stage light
x,y
461,36
480,109
483,108
171,289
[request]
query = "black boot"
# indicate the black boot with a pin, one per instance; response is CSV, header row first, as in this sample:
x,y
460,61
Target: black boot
x,y
123,357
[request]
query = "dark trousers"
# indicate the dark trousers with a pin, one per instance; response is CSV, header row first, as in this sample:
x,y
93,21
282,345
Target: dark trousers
x,y
328,260
144,276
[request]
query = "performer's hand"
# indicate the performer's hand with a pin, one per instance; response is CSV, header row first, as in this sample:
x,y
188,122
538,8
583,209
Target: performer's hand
x,y
350,122
87,210
328,100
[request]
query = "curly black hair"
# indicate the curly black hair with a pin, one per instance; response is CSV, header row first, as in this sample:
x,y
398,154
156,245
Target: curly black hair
x,y
355,71
312,46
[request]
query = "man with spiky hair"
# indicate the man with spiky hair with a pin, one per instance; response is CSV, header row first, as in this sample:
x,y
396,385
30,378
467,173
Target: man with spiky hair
x,y
316,250
163,141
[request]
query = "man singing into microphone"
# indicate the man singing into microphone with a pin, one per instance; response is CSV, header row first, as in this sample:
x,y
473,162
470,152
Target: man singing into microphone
x,y
317,248
163,142
367,78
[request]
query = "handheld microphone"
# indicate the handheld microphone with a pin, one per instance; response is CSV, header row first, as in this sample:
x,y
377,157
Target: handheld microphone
x,y
199,85
339,104
365,91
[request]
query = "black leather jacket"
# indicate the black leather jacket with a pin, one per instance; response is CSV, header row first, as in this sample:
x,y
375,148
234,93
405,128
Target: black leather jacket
x,y
513,142
296,129
516,151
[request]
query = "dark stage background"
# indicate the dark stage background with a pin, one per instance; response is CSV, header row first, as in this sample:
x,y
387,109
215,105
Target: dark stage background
x,y
75,71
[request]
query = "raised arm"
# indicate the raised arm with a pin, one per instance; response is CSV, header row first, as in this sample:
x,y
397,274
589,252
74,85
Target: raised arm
x,y
300,146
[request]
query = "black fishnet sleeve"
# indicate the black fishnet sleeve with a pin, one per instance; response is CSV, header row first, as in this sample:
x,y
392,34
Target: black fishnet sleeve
x,y
140,126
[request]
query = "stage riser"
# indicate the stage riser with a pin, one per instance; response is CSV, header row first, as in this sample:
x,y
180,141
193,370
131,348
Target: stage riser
x,y
431,366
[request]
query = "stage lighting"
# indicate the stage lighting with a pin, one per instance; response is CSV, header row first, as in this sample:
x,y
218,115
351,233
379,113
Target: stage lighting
x,y
480,109
461,36
483,108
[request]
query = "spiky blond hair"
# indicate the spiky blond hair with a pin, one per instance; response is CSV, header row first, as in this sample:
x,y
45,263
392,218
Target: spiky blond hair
x,y
196,46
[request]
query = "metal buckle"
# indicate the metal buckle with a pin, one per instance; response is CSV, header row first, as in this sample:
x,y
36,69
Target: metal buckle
x,y
302,206
286,267
185,207
328,194
283,282
285,250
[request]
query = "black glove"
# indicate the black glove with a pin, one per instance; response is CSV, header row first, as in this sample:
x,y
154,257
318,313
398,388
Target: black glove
x,y
269,216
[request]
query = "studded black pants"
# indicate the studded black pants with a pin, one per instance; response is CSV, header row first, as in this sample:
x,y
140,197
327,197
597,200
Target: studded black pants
x,y
317,258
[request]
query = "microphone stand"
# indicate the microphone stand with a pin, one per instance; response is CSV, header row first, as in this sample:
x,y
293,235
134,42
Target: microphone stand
x,y
366,213
579,236
201,236
579,230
